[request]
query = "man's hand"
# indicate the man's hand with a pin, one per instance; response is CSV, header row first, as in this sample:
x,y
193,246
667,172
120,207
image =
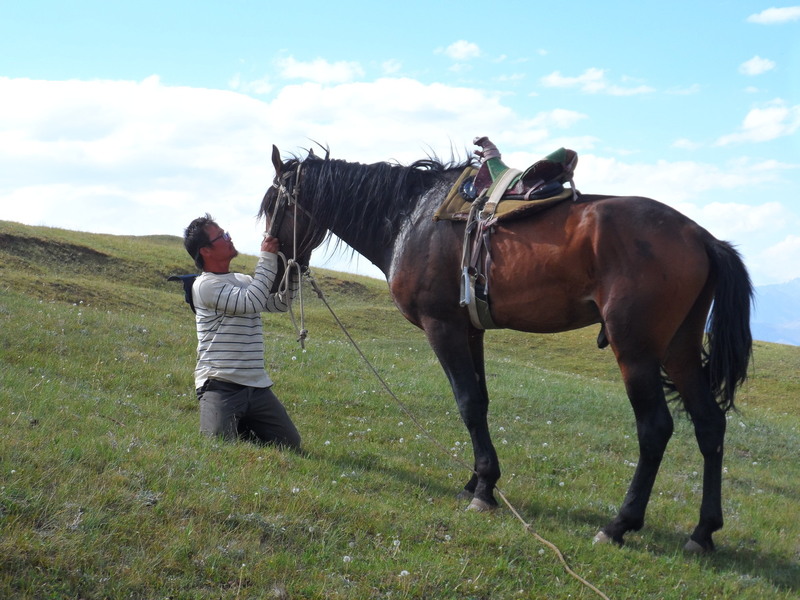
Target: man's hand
x,y
270,244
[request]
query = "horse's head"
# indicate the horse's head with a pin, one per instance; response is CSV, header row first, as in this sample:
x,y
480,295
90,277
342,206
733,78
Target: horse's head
x,y
286,216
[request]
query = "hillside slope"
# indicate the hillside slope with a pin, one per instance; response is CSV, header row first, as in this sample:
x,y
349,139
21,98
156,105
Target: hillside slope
x,y
108,491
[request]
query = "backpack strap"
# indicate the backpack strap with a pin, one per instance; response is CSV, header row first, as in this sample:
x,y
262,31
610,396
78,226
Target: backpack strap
x,y
188,282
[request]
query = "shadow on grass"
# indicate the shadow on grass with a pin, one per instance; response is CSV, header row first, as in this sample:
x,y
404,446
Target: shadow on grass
x,y
750,563
372,462
744,562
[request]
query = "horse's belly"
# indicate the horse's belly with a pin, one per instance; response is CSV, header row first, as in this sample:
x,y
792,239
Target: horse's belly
x,y
536,311
539,282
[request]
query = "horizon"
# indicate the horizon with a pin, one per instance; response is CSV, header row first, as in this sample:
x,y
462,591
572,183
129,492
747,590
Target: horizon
x,y
773,316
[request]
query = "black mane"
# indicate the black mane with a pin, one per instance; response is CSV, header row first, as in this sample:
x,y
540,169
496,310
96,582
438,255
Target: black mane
x,y
367,201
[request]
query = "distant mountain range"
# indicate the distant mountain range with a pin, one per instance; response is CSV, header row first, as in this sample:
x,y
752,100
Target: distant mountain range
x,y
776,314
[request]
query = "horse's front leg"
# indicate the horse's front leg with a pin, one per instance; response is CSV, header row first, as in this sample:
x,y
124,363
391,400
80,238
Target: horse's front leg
x,y
459,349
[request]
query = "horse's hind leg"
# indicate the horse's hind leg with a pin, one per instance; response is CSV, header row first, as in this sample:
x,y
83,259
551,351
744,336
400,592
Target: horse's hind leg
x,y
709,427
654,428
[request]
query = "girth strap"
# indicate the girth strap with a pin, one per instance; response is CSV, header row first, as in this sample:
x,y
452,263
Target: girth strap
x,y
474,282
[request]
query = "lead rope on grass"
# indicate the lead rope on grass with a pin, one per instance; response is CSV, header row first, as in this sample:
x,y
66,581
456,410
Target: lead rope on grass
x,y
438,444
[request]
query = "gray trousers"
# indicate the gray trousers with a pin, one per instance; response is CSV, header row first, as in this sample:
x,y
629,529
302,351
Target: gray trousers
x,y
230,410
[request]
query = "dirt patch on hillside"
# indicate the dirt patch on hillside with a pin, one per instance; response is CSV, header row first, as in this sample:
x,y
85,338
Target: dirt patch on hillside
x,y
47,252
344,287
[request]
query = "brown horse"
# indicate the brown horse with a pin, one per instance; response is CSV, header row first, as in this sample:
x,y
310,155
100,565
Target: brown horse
x,y
645,272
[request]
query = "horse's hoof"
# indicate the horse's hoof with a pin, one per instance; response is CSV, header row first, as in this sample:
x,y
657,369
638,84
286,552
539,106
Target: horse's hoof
x,y
602,538
693,547
464,495
479,505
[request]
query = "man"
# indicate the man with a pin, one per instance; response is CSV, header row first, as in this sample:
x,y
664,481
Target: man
x,y
234,389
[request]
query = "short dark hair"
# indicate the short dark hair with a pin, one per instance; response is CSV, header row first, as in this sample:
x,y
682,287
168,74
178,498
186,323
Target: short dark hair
x,y
195,237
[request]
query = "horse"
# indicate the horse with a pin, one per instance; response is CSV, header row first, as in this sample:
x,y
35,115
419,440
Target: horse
x,y
651,277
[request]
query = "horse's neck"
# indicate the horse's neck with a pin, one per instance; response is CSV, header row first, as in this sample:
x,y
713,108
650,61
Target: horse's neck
x,y
378,236
378,252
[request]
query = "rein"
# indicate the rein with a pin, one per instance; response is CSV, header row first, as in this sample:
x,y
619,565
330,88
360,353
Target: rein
x,y
286,199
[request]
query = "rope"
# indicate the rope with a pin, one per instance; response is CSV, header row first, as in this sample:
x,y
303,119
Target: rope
x,y
284,287
438,444
285,294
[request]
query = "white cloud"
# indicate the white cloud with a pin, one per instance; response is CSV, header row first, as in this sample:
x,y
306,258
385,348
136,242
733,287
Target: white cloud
x,y
780,262
559,117
593,81
756,66
773,16
390,117
684,91
259,87
731,220
142,157
391,66
319,70
460,67
773,120
129,157
672,182
511,78
463,50
686,144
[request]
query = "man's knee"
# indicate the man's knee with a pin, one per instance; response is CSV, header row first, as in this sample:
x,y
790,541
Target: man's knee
x,y
216,422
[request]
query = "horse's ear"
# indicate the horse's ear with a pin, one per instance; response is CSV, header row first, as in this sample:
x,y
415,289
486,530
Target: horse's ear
x,y
276,160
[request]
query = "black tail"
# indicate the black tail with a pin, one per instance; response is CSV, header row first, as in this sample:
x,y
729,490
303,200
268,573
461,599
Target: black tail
x,y
730,343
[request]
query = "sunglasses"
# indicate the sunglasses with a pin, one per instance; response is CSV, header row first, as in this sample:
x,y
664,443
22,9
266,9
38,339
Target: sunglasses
x,y
222,236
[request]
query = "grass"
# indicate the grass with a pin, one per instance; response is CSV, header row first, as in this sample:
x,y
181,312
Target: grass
x,y
107,490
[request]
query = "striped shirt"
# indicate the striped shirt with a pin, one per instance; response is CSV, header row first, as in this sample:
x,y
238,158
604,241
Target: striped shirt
x,y
230,342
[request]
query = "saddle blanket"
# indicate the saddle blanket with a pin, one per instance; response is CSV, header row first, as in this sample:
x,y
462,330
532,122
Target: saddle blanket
x,y
456,208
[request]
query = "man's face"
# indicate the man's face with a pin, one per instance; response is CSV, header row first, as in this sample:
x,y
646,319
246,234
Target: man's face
x,y
221,247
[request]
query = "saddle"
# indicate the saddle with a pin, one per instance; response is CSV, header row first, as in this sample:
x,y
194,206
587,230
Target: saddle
x,y
505,193
493,192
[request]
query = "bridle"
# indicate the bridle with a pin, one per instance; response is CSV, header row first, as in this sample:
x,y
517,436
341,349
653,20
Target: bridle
x,y
287,197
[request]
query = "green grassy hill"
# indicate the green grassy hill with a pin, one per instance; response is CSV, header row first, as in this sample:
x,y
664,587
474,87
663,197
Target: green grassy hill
x,y
107,490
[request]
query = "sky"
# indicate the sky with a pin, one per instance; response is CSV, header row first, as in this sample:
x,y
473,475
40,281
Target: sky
x,y
133,118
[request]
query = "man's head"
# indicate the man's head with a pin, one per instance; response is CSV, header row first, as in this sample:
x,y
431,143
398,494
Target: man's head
x,y
206,243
